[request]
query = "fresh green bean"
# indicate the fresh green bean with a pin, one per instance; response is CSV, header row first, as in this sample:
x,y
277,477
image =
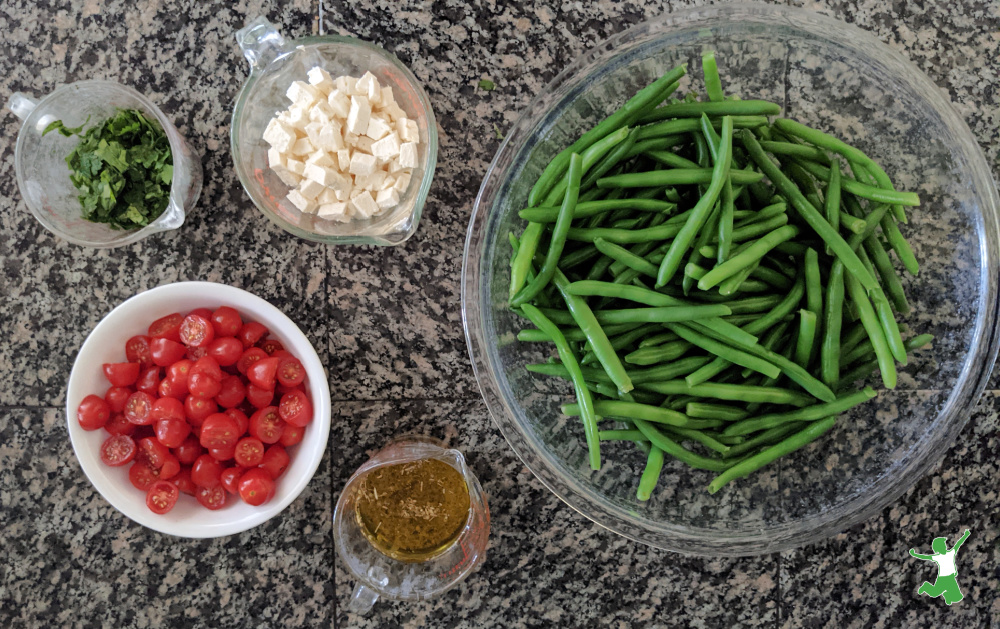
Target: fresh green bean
x,y
731,392
620,254
765,438
525,254
590,288
669,158
754,304
621,435
633,411
713,84
593,208
808,413
832,324
774,278
767,212
674,449
668,314
722,350
714,411
698,436
876,334
806,338
659,354
673,177
801,151
886,318
723,108
751,254
863,190
833,196
610,160
626,236
756,229
650,474
890,280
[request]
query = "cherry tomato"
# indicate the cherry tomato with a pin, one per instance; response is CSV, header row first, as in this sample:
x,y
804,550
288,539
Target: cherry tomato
x,y
251,333
292,435
206,471
275,461
153,452
211,497
184,482
258,397
168,408
256,486
197,409
118,425
203,386
290,372
189,450
172,432
139,408
281,353
263,372
226,350
267,425
142,476
206,366
230,479
121,374
171,466
115,397
226,321
241,419
248,358
231,392
204,313
180,369
149,381
271,346
219,431
137,350
162,496
196,331
223,454
166,351
196,353
249,452
117,450
168,327
173,387
295,408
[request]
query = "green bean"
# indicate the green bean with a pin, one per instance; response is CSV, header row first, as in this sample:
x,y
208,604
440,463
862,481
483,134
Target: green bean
x,y
731,392
800,151
633,411
653,374
668,314
758,228
714,411
654,143
717,348
876,334
788,445
620,254
593,208
806,338
723,108
833,321
589,288
774,278
725,235
621,435
673,177
754,304
574,334
625,236
893,287
669,158
765,438
805,182
900,245
658,339
698,436
769,211
658,354
693,270
522,261
814,286
641,250
611,159
592,155
833,196
650,474
661,441
808,413
713,84
724,331
795,373
707,231
885,315
678,129
858,189
755,252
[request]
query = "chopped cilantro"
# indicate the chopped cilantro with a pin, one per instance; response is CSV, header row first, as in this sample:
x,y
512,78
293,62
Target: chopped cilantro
x,y
122,168
496,130
487,85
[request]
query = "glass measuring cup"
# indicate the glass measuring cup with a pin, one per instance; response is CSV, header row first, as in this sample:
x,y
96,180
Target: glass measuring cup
x,y
43,176
381,576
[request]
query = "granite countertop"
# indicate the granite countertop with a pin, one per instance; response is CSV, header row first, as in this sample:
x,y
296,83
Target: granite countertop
x,y
386,321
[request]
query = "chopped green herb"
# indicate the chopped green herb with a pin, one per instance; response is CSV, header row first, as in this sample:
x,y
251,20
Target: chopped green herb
x,y
496,130
487,85
122,168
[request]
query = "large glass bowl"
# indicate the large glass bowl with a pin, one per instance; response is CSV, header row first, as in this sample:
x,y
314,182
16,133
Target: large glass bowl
x,y
837,78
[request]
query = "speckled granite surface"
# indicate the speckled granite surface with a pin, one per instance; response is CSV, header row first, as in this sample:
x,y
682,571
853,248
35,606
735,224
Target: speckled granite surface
x,y
387,324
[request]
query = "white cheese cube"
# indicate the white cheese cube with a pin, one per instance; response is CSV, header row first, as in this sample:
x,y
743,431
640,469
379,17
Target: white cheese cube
x,y
387,182
387,97
387,199
386,149
359,115
344,160
312,132
340,103
320,79
336,211
298,116
302,94
321,158
329,138
408,156
369,87
327,196
275,157
350,139
395,167
279,136
372,182
287,177
343,195
377,128
364,204
294,165
364,144
327,177
408,130
344,83
321,112
299,201
394,112
362,164
302,146
310,189
402,182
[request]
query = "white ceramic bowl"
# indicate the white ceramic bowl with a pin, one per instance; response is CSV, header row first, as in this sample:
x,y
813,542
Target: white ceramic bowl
x,y
106,344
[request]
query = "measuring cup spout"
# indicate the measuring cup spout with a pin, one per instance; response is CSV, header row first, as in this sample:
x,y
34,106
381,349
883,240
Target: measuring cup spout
x,y
21,104
362,600
260,42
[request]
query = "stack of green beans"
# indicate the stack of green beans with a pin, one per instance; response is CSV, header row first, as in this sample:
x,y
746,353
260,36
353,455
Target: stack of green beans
x,y
718,282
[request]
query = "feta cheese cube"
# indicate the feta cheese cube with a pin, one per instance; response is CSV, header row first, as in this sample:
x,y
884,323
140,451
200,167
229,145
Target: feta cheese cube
x,y
340,103
279,136
388,182
387,199
369,87
329,138
294,165
362,164
302,94
395,167
377,128
394,112
310,189
364,144
359,115
327,177
286,176
298,116
336,211
402,183
312,132
350,139
302,146
344,84
275,157
372,182
408,130
364,204
343,195
387,97
305,205
320,79
321,112
408,156
344,160
386,149
327,196
321,158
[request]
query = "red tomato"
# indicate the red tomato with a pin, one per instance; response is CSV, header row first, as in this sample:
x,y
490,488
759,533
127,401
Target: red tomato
x,y
115,397
149,381
153,452
267,425
170,466
271,346
196,331
166,351
173,388
231,392
295,408
256,487
203,386
219,431
230,479
180,369
184,482
117,450
197,409
118,425
139,408
258,397
249,452
242,421
290,372
162,496
196,353
211,497
206,471
251,333
275,461
172,432
141,475
226,350
189,450
262,373
137,350
168,327
292,435
204,313
248,358
226,321
121,374
207,366
168,408
223,454
281,353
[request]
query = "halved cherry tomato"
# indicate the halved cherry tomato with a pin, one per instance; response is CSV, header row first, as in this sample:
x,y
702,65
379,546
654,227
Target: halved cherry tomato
x,y
211,497
115,397
204,313
231,392
223,454
267,425
248,358
162,496
295,408
118,425
149,381
281,353
241,419
189,450
168,327
180,369
256,486
173,387
184,482
271,346
139,408
290,372
249,452
251,333
226,350
153,452
197,409
172,432
142,476
137,350
168,408
117,450
258,397
121,374
196,331
230,479
292,435
206,471
170,466
226,321
219,431
207,366
196,353
166,351
275,461
263,372
203,386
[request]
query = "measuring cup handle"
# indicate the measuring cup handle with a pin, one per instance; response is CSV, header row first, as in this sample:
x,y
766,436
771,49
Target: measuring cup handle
x,y
260,42
362,600
21,104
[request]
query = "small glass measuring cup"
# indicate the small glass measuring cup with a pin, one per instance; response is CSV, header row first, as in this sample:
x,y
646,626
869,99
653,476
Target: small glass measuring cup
x,y
43,176
382,576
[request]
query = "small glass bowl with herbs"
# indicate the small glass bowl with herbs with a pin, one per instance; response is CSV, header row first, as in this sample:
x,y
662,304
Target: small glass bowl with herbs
x,y
99,165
